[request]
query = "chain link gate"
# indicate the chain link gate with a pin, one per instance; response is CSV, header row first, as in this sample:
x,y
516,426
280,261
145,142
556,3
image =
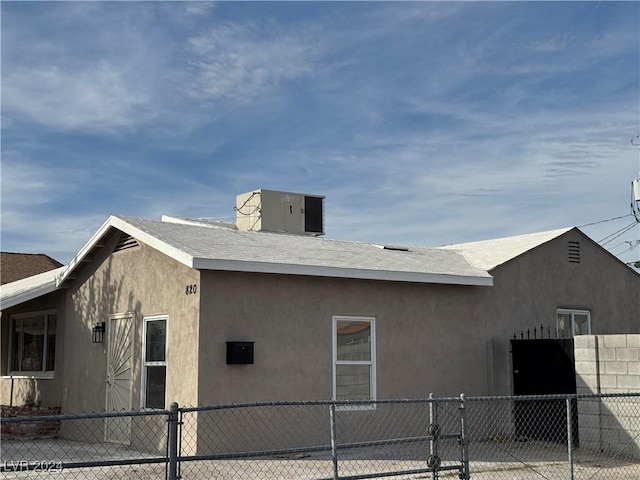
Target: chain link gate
x,y
436,438
447,425
434,462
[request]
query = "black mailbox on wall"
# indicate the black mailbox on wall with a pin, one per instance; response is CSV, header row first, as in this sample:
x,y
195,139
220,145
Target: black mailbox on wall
x,y
240,353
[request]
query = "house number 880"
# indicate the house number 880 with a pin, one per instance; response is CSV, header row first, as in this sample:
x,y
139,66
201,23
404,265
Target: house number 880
x,y
191,289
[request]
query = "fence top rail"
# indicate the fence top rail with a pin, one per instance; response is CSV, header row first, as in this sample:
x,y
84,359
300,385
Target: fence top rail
x,y
560,396
83,416
337,403
348,403
326,403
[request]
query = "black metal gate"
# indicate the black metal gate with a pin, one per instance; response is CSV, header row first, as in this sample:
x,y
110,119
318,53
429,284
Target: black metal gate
x,y
544,367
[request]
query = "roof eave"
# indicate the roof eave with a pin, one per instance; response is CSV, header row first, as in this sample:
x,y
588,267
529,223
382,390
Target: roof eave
x,y
336,272
28,294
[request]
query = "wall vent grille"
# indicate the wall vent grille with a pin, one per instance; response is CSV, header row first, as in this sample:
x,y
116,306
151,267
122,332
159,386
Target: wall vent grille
x,y
573,251
126,241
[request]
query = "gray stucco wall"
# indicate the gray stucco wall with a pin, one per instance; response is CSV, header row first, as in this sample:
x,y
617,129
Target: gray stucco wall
x,y
143,282
425,336
528,290
430,338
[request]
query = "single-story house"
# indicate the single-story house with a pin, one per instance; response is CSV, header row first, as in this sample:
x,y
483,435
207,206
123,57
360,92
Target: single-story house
x,y
194,311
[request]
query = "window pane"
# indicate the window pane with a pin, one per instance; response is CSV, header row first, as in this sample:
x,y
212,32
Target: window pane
x,y
154,393
581,324
155,341
563,325
51,342
15,345
32,344
354,340
353,382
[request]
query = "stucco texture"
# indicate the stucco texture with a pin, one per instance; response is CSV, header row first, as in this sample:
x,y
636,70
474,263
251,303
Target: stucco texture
x,y
138,281
423,340
528,290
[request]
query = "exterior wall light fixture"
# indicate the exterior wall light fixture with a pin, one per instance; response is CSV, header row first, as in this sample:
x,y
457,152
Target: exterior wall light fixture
x,y
97,332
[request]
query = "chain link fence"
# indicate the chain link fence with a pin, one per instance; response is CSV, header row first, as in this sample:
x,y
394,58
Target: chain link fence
x,y
552,437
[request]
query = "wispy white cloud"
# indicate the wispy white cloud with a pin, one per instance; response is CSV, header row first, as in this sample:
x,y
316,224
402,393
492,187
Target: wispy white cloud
x,y
199,7
97,98
423,123
65,80
237,62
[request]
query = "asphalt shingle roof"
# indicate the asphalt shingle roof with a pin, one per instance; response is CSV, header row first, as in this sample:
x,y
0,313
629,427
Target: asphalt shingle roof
x,y
16,266
488,254
208,245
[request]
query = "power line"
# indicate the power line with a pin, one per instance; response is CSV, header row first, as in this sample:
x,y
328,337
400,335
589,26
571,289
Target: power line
x,y
617,234
607,220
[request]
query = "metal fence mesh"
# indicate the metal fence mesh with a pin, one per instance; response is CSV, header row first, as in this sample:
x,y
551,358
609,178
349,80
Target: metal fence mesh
x,y
130,445
553,437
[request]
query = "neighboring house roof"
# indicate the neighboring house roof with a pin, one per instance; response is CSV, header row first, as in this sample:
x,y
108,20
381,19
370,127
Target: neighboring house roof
x,y
29,288
488,254
207,246
16,266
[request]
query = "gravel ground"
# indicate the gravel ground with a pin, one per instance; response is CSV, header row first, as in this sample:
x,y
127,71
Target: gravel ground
x,y
533,460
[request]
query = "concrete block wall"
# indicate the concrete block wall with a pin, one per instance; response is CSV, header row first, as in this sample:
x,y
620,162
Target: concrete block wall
x,y
609,364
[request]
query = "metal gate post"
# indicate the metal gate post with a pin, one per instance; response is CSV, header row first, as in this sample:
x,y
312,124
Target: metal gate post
x,y
464,441
570,436
173,441
433,427
334,444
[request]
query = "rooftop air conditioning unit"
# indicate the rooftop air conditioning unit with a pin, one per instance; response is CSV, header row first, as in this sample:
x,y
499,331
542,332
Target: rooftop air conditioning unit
x,y
273,211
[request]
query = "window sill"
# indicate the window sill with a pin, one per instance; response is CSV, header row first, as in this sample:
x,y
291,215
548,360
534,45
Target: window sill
x,y
28,376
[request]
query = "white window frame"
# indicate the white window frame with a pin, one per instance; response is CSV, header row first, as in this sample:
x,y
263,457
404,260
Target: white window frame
x,y
44,373
573,312
371,363
145,364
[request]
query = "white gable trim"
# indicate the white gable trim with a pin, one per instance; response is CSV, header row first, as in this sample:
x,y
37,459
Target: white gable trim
x,y
122,225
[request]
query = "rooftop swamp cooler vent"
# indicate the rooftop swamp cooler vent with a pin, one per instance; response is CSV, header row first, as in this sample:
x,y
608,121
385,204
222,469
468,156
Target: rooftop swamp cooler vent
x,y
273,211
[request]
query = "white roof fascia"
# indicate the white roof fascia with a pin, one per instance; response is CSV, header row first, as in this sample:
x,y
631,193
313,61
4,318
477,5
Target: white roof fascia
x,y
122,225
320,271
84,251
26,289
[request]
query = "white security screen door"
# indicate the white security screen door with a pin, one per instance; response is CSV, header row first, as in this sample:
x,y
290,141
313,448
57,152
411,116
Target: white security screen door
x,y
119,368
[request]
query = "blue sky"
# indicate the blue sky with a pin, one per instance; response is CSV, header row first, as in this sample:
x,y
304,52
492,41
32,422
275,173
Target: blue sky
x,y
423,123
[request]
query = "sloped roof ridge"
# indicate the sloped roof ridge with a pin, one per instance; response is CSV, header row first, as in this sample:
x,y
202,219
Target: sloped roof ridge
x,y
204,222
547,233
196,222
30,253
488,254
